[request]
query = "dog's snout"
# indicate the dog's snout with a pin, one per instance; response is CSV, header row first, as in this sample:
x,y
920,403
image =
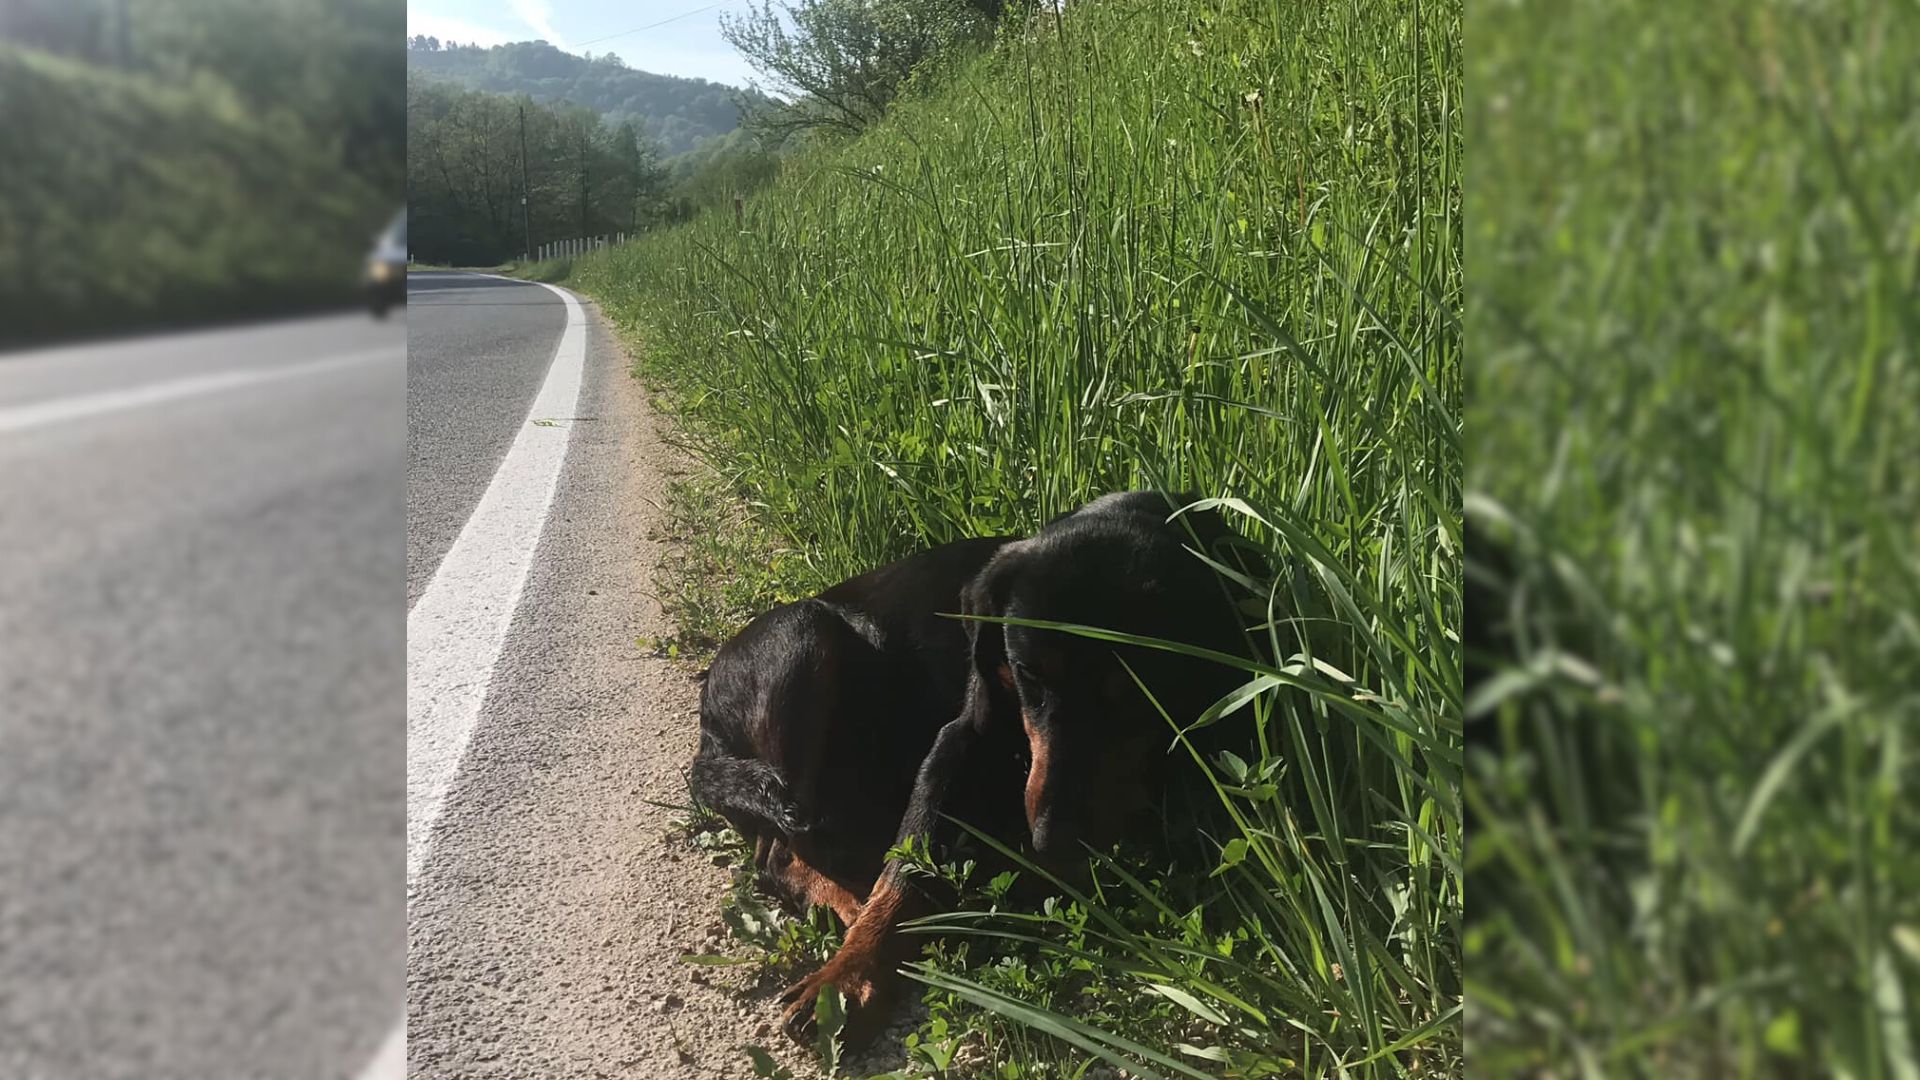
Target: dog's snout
x,y
1053,836
1043,835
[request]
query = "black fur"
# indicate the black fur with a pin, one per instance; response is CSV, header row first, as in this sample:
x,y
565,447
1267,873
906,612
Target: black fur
x,y
814,719
838,726
818,719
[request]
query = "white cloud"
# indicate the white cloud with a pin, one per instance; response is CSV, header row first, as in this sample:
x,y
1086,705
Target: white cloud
x,y
538,14
449,28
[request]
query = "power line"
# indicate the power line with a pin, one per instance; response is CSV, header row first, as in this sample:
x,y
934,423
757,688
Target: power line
x,y
649,26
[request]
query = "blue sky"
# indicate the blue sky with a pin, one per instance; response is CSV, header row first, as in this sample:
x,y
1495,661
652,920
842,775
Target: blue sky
x,y
690,45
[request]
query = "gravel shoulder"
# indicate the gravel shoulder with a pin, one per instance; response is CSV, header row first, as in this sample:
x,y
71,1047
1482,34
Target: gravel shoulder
x,y
547,925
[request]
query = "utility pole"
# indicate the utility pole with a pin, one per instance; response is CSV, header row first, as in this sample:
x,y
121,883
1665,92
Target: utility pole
x,y
526,211
586,193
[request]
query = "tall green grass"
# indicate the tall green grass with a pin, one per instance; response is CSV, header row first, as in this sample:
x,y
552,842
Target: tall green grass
x,y
1213,248
1694,423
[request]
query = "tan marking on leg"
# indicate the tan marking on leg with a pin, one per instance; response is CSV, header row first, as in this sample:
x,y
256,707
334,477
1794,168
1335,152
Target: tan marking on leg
x,y
823,891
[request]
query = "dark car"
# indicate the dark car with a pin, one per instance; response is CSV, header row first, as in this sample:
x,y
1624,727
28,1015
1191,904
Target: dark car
x,y
385,277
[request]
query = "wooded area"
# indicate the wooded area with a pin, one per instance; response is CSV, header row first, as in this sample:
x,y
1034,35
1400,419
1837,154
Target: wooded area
x,y
174,160
472,156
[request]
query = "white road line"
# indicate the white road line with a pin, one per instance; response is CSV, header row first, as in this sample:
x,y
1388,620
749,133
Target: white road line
x,y
391,1062
458,627
84,406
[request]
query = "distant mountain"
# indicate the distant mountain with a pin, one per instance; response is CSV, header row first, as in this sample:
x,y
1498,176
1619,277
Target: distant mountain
x,y
677,112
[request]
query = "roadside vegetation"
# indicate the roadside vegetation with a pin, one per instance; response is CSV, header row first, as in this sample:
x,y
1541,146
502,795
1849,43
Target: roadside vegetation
x,y
1695,848
171,162
586,174
1143,243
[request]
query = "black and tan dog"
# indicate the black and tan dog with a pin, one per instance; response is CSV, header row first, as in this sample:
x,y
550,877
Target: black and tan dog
x,y
835,727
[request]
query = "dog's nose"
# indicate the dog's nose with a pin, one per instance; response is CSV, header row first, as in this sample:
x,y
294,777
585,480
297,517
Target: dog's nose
x,y
1051,837
1043,834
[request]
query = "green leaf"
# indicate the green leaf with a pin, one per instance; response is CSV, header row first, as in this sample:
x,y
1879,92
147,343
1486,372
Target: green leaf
x,y
1093,1040
1783,1034
1232,855
716,960
1187,1001
830,1018
764,1066
1781,767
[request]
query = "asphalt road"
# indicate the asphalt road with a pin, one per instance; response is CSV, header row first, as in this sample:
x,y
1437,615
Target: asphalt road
x,y
553,897
202,680
478,350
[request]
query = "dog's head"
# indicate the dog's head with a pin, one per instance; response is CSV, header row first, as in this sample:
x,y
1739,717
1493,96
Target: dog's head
x,y
1097,743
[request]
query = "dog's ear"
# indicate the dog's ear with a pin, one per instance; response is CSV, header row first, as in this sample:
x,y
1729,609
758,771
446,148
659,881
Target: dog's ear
x,y
990,695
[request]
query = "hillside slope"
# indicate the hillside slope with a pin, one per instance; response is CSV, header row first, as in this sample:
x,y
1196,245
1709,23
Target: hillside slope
x,y
130,201
677,112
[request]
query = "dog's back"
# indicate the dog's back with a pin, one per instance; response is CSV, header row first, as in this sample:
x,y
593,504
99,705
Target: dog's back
x,y
814,718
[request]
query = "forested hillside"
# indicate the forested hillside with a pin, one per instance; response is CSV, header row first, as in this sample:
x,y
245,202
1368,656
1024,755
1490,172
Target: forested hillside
x,y
174,160
465,155
676,113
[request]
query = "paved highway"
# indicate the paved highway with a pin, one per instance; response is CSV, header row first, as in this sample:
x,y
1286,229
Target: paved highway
x,y
202,729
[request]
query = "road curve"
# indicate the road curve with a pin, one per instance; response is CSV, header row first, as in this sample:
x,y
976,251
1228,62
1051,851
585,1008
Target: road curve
x,y
478,350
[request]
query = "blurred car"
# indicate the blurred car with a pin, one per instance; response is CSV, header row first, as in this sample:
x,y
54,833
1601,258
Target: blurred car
x,y
385,277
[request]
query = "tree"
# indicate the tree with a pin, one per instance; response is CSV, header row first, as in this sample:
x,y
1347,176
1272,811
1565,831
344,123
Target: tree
x,y
844,61
638,181
336,68
581,133
738,163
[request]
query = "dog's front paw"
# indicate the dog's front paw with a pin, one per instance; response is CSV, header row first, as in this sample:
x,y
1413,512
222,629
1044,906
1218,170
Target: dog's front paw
x,y
861,980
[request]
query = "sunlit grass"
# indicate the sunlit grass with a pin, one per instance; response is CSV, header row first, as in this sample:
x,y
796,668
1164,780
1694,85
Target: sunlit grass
x,y
1693,426
1213,248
